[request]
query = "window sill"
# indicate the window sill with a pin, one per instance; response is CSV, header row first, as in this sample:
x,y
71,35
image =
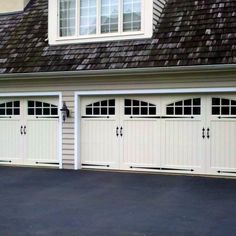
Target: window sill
x,y
99,38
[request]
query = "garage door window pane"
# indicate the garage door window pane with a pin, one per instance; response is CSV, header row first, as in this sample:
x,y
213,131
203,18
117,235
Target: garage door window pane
x,y
9,111
225,110
38,111
215,101
185,107
233,110
54,111
196,110
112,111
187,110
105,107
178,111
197,102
46,111
2,112
136,107
152,111
215,110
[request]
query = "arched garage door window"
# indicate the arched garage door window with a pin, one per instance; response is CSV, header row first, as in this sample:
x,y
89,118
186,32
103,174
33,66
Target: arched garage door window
x,y
10,108
105,107
37,108
222,106
184,107
136,107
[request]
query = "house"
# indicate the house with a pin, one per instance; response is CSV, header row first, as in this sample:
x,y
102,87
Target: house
x,y
134,85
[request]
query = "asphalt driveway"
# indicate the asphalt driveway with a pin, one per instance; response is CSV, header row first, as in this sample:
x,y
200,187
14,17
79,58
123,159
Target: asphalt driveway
x,y
84,203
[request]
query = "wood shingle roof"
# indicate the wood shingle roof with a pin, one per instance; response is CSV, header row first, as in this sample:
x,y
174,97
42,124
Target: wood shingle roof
x,y
192,32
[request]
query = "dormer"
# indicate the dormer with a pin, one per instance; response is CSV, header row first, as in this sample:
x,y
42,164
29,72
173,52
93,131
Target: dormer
x,y
86,21
12,6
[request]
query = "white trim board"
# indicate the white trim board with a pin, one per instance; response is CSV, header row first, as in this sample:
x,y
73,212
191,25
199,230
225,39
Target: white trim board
x,y
157,91
48,94
45,94
77,95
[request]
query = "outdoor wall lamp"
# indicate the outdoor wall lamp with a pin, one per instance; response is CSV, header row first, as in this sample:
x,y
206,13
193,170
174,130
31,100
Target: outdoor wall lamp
x,y
65,112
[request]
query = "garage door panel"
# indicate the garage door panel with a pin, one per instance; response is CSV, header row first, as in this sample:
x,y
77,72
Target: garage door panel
x,y
99,123
183,142
141,143
223,140
11,144
11,150
99,143
41,145
222,128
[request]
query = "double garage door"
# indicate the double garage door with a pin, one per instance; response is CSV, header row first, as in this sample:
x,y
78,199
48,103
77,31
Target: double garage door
x,y
29,131
178,133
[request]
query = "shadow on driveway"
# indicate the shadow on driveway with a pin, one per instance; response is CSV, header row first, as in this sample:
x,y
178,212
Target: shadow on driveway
x,y
84,203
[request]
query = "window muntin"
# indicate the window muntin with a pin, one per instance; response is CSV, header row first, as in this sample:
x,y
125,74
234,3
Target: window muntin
x,y
99,17
67,14
185,107
37,108
136,107
131,15
10,108
222,106
109,16
88,17
105,107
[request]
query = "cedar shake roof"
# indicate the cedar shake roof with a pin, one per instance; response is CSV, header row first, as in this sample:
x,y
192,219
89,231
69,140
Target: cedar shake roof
x,y
191,32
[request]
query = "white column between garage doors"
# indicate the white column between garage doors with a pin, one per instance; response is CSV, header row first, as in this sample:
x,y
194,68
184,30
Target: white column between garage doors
x,y
182,91
27,95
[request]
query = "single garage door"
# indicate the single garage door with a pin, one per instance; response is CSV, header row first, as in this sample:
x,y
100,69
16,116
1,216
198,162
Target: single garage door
x,y
29,131
178,133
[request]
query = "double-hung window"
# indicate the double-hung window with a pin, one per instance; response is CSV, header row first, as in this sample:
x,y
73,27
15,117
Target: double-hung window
x,y
99,20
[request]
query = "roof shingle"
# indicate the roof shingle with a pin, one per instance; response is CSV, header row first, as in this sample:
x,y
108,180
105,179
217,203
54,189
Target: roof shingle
x,y
193,32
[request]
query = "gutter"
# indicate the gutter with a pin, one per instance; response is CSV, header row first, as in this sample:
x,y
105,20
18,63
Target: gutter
x,y
120,72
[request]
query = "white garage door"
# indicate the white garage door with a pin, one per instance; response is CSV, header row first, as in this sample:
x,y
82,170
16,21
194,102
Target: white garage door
x,y
189,133
29,131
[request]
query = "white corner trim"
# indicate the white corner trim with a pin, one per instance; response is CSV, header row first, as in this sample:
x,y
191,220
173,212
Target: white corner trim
x,y
77,95
60,136
76,132
45,94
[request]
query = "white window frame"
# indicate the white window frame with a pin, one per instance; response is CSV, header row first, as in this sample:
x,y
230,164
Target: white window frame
x,y
54,27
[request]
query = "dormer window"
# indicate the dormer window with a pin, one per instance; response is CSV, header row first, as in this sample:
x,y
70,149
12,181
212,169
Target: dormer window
x,y
99,20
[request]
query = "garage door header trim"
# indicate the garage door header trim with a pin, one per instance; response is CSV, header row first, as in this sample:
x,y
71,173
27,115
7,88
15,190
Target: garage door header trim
x,y
156,91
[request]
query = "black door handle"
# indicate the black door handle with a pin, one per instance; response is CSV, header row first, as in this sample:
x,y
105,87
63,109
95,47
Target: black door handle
x,y
121,131
21,130
24,130
203,133
117,131
208,133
